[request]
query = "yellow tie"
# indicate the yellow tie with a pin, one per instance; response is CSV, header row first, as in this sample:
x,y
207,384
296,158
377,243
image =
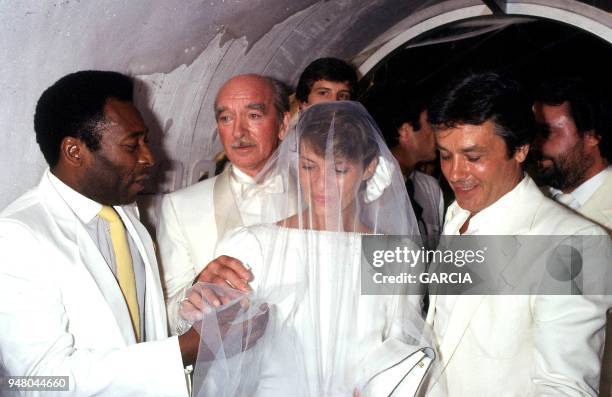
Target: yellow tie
x,y
123,261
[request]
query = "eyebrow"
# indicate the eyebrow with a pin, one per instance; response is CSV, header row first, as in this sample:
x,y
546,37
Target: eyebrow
x,y
144,132
257,106
467,149
219,110
254,106
306,158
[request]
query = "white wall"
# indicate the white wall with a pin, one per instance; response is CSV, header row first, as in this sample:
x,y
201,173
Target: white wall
x,y
181,51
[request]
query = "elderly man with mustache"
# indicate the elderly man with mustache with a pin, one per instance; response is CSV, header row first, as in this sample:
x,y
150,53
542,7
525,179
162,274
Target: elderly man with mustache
x,y
252,117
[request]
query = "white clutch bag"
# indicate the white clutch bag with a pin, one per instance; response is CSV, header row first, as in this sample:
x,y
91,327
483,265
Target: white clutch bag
x,y
396,369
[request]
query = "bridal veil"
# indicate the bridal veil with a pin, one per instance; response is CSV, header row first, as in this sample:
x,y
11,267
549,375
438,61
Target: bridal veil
x,y
336,184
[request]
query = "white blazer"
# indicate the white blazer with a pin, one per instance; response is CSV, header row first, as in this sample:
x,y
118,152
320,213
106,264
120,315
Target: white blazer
x,y
522,345
187,237
61,309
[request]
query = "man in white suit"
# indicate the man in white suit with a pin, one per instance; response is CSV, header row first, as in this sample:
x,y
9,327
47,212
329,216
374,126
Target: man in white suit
x,y
575,161
79,282
508,345
575,152
252,114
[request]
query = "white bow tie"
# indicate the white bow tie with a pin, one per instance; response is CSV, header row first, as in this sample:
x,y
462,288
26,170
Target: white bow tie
x,y
271,185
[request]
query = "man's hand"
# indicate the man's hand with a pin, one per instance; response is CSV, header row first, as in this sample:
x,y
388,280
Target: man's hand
x,y
222,335
232,329
202,298
225,271
189,343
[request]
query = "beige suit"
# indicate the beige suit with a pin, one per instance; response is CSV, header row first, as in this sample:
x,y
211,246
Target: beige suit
x,y
62,311
520,345
598,208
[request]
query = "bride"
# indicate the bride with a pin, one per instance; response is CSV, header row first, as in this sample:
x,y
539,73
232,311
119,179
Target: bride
x,y
340,185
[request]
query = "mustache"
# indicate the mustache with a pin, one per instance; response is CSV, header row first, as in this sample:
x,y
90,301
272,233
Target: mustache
x,y
242,143
543,158
463,184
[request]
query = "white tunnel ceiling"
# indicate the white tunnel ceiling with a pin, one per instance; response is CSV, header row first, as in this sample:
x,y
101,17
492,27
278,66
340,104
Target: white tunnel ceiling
x,y
181,52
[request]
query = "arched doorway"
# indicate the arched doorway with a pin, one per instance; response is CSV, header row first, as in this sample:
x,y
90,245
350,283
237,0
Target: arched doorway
x,y
580,15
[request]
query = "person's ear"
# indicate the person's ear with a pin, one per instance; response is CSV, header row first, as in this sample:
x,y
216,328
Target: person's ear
x,y
71,151
284,127
520,154
591,138
405,130
370,169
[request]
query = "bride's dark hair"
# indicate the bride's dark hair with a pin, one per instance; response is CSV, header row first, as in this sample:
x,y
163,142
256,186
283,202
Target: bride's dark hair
x,y
351,133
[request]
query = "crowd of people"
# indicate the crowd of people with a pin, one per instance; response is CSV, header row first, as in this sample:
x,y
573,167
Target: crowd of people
x,y
255,275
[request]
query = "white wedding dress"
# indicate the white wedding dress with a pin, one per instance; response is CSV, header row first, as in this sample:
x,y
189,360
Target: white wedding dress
x,y
321,328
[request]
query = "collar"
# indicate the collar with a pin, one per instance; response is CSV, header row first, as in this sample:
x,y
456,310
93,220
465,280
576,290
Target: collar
x,y
584,192
240,182
241,177
84,208
456,216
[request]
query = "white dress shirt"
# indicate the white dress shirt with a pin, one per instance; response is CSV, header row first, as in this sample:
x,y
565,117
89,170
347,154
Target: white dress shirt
x,y
582,193
241,184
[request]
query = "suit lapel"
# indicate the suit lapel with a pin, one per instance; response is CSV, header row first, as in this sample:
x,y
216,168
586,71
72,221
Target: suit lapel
x,y
155,312
227,215
462,313
95,263
72,232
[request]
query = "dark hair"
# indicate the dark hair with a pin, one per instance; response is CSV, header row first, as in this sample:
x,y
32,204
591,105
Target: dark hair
x,y
475,98
331,69
281,97
74,106
587,107
354,130
404,104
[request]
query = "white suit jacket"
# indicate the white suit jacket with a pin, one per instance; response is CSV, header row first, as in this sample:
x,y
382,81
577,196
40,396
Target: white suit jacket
x,y
187,237
522,345
62,311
